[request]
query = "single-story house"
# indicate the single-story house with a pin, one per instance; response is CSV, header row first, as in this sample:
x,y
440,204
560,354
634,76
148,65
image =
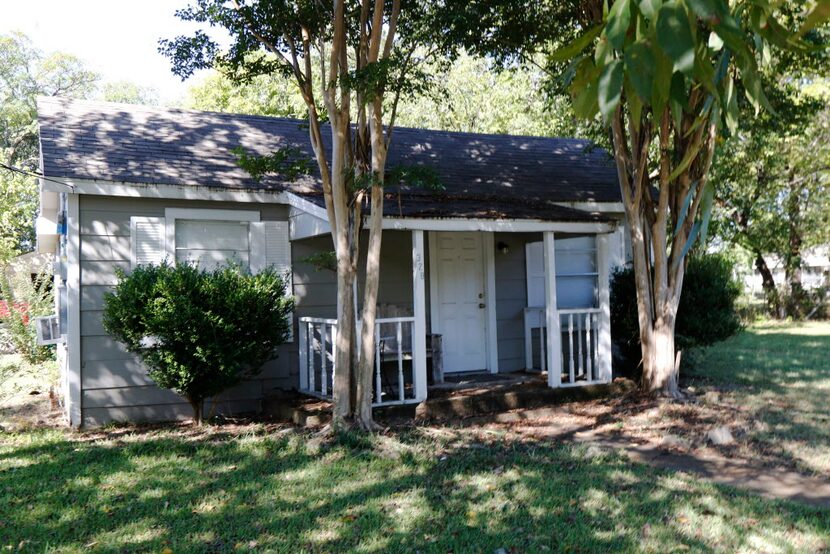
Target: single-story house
x,y
521,239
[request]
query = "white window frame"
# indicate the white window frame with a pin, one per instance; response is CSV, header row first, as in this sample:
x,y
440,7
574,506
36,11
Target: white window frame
x,y
172,214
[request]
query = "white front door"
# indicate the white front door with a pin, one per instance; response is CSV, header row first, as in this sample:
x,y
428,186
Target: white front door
x,y
459,303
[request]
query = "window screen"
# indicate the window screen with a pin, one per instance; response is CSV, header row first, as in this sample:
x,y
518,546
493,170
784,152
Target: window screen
x,y
212,243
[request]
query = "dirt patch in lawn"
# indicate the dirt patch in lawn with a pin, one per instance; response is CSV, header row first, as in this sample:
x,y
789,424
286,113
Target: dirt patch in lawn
x,y
27,397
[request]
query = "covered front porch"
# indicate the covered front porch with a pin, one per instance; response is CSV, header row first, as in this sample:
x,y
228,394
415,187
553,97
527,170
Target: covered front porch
x,y
462,298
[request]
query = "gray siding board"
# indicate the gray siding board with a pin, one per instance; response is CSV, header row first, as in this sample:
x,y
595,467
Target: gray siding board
x,y
129,396
149,395
166,412
163,412
107,223
104,374
130,372
102,348
92,297
92,324
105,247
102,272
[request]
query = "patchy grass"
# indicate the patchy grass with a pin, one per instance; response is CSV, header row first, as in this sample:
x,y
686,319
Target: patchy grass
x,y
772,382
268,488
24,392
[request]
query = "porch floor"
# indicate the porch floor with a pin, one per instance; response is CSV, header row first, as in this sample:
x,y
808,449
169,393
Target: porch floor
x,y
465,396
464,381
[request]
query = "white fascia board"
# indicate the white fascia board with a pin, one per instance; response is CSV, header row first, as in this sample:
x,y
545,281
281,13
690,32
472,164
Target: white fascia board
x,y
591,206
497,225
178,192
305,225
307,206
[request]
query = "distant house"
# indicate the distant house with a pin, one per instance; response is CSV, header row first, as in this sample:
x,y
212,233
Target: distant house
x,y
815,271
522,239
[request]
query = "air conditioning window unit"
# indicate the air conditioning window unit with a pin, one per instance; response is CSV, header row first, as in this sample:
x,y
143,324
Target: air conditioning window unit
x,y
48,330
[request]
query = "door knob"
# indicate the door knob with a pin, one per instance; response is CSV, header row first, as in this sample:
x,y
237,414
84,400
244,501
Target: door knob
x,y
481,295
481,305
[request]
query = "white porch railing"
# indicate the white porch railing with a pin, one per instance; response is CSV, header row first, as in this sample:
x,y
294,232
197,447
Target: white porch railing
x,y
394,378
580,352
580,355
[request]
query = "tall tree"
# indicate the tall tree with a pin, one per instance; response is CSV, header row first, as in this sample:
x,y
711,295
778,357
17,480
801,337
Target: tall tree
x,y
468,94
772,175
665,76
127,92
351,62
773,188
25,74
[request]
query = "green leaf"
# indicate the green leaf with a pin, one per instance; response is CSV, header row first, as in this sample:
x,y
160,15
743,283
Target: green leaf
x,y
674,35
819,14
619,18
723,65
678,98
688,158
689,243
662,81
576,46
635,104
639,64
706,205
731,105
610,88
584,89
649,8
700,228
709,9
685,208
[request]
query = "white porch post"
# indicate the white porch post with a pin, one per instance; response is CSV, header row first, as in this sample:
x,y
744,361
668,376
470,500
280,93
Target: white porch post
x,y
604,278
419,331
73,289
554,338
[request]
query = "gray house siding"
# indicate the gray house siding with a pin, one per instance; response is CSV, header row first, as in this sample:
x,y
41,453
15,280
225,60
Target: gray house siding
x,y
316,288
511,298
114,383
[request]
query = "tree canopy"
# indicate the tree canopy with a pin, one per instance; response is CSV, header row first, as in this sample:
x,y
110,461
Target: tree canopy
x,y
25,74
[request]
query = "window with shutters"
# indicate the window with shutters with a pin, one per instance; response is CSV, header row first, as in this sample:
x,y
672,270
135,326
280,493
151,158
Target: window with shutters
x,y
211,238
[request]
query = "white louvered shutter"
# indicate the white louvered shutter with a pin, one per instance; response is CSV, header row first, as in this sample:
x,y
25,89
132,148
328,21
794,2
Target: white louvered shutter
x,y
146,240
271,246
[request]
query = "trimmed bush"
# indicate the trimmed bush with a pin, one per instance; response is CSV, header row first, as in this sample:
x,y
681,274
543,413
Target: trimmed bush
x,y
199,332
708,306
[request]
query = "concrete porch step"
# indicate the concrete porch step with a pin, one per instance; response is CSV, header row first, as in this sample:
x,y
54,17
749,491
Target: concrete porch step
x,y
448,405
484,401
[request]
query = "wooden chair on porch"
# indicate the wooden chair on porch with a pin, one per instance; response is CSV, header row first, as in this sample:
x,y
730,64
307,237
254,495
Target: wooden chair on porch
x,y
395,341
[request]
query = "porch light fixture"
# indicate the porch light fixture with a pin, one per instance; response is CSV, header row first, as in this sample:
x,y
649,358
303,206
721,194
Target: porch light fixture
x,y
503,247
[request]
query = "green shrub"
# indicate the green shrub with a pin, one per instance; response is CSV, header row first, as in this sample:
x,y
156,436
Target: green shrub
x,y
708,306
25,299
199,332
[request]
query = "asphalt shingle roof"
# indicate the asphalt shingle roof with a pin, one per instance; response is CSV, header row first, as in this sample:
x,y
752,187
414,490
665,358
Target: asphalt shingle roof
x,y
491,176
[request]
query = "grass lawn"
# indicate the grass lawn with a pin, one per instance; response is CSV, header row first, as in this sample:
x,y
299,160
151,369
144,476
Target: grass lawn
x,y
773,382
256,488
432,489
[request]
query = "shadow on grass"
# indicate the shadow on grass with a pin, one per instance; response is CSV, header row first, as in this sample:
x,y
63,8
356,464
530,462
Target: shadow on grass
x,y
144,492
782,375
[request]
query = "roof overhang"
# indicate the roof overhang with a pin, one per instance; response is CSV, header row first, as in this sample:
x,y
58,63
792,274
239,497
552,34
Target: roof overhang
x,y
498,225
